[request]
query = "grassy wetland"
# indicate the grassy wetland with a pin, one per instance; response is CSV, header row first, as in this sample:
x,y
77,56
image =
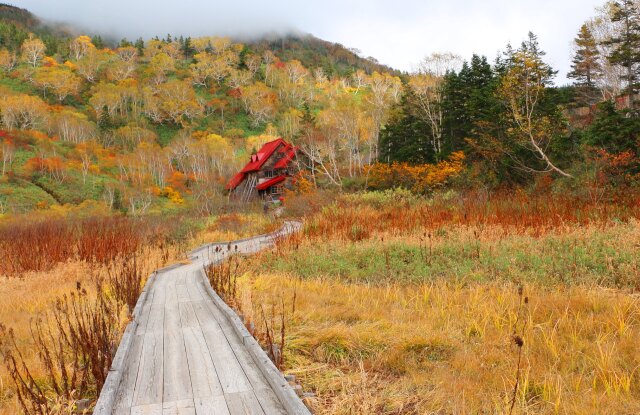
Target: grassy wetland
x,y
403,305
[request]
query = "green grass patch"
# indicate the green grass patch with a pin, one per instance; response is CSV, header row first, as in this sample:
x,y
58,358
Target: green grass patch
x,y
17,196
601,258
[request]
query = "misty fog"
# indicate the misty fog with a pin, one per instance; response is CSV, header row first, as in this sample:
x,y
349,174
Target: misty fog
x,y
398,33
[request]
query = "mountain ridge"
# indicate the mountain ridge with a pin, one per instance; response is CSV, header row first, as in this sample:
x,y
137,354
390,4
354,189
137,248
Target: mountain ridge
x,y
311,51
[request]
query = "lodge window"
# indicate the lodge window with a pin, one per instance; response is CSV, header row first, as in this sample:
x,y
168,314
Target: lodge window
x,y
277,190
269,174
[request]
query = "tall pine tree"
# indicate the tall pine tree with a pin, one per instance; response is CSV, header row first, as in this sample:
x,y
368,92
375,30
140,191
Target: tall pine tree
x,y
469,100
626,44
406,136
586,66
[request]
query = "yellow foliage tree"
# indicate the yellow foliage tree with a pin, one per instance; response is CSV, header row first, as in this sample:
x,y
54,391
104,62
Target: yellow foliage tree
x,y
421,178
60,79
80,47
159,66
7,60
24,112
179,102
33,50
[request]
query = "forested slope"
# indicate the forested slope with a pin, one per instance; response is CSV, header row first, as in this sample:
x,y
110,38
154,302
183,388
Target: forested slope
x,y
161,124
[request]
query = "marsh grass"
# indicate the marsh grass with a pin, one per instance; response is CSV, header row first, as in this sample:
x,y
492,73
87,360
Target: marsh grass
x,y
403,307
39,244
63,319
74,343
574,255
447,347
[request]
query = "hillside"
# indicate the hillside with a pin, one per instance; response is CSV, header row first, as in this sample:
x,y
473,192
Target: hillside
x,y
162,124
98,116
23,17
17,23
334,58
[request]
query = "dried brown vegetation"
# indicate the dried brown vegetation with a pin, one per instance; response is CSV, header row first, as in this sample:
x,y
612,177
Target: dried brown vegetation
x,y
39,244
80,281
75,343
223,276
406,305
355,218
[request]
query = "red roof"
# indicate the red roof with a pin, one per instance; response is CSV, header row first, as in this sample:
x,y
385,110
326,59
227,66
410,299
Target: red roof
x,y
258,160
284,161
235,181
271,182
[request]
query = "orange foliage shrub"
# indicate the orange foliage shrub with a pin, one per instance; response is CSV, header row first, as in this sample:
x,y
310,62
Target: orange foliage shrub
x,y
302,184
421,178
178,181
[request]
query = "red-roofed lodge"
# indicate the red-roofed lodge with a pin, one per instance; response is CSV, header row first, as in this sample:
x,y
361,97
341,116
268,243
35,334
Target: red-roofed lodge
x,y
268,173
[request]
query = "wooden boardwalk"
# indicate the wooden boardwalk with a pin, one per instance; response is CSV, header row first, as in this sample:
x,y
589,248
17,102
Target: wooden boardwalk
x,y
184,356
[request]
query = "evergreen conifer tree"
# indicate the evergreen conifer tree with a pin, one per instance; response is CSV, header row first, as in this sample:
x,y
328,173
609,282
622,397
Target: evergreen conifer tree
x,y
626,44
586,66
405,138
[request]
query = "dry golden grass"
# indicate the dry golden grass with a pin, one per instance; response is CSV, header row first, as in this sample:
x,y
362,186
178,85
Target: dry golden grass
x,y
23,299
393,318
446,348
402,308
33,294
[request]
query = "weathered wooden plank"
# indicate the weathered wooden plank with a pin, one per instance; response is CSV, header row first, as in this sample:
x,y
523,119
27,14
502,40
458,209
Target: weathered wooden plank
x,y
180,279
143,320
120,411
149,384
153,409
182,407
230,373
183,293
192,286
267,397
171,309
258,368
204,377
249,367
156,319
188,316
211,406
206,319
177,383
124,395
159,289
104,405
277,384
269,402
244,403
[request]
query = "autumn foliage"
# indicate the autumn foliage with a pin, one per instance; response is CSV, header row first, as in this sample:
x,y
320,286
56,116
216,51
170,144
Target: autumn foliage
x,y
41,244
421,178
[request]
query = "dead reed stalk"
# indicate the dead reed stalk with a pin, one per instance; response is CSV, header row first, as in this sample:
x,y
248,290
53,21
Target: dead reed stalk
x,y
75,342
518,340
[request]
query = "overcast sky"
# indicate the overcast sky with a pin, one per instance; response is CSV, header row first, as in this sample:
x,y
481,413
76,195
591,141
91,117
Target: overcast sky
x,y
396,32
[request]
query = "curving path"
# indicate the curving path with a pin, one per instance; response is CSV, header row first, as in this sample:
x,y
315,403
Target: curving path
x,y
187,353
